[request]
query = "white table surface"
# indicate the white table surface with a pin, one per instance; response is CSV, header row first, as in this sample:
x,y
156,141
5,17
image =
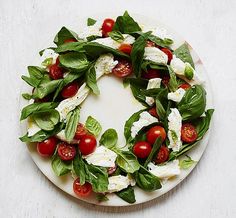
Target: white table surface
x,y
209,26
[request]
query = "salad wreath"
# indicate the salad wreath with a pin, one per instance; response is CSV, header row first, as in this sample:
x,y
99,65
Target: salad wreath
x,y
173,119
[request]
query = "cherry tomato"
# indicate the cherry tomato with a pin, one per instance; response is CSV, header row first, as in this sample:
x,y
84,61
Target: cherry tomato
x,y
150,44
80,131
142,149
47,147
82,190
151,74
165,80
188,133
70,40
55,72
153,112
107,26
66,151
126,48
87,144
122,69
154,133
168,53
111,170
70,90
185,86
163,155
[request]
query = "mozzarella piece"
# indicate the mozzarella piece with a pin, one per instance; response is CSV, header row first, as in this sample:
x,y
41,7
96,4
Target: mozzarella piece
x,y
177,95
61,135
149,100
145,119
117,183
152,84
49,53
156,55
174,129
165,171
102,157
33,128
94,30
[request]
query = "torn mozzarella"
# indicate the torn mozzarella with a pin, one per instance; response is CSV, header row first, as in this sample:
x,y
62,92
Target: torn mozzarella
x,y
177,95
61,135
94,30
33,128
152,84
118,183
156,55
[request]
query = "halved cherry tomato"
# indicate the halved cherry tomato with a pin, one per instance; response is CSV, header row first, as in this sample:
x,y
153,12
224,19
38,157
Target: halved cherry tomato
x,y
66,151
111,170
153,112
188,133
122,69
107,26
142,149
47,147
154,133
70,90
82,190
80,131
87,144
150,44
185,86
151,74
126,48
163,155
56,72
168,53
70,40
165,80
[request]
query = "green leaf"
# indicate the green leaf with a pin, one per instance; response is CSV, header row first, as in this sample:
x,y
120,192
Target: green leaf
x,y
138,52
173,84
127,195
158,41
72,46
59,166
72,121
64,34
91,80
101,197
186,163
183,53
146,64
126,24
47,62
26,96
79,168
109,138
93,126
91,21
161,104
116,35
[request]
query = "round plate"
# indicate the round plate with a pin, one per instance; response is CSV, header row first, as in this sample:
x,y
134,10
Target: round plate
x,y
112,108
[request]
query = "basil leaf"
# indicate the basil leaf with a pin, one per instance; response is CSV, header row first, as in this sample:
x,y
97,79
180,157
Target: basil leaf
x,y
161,42
127,195
59,166
79,168
138,52
146,64
173,84
127,161
64,34
183,53
26,96
146,180
126,24
91,21
36,107
101,197
93,126
109,138
91,80
161,104
193,103
74,61
116,35
186,163
72,121
72,46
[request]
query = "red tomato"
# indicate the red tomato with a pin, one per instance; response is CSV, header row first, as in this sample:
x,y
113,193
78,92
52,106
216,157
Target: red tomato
x,y
107,26
154,133
126,48
80,131
70,40
150,44
165,80
66,151
151,74
82,190
168,53
47,147
163,155
185,86
55,72
70,90
153,112
87,144
122,69
142,149
111,170
188,133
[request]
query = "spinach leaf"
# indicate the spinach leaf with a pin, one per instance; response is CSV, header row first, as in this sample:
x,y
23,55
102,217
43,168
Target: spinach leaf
x,y
183,53
193,103
74,61
186,163
109,138
161,42
116,35
59,166
127,195
36,107
91,21
173,84
93,126
91,80
72,121
72,46
138,52
146,180
126,24
64,34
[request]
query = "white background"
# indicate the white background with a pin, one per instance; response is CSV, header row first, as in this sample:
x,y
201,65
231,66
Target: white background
x,y
209,26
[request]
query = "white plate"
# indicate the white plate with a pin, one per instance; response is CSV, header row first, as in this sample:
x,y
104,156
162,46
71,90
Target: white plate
x,y
112,108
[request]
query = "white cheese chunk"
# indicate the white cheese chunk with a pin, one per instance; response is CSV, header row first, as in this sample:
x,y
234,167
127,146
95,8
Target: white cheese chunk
x,y
117,183
145,119
165,171
102,157
174,129
33,128
150,101
49,53
61,135
94,30
177,95
156,55
152,84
